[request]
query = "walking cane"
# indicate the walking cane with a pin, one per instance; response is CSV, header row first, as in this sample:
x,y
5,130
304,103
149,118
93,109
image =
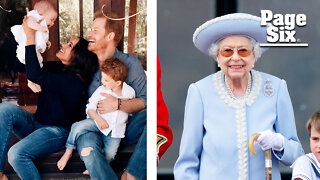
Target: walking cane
x,y
268,161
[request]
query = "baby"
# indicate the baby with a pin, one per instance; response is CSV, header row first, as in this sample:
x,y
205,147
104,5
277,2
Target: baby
x,y
308,166
111,125
45,14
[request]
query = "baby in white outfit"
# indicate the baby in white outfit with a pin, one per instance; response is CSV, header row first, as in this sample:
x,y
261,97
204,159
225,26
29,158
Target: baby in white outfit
x,y
42,18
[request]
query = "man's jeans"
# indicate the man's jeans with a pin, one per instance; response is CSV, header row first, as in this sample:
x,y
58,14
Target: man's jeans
x,y
97,165
36,140
111,144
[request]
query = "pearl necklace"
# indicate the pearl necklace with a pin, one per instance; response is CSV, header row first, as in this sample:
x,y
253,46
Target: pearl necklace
x,y
247,90
239,105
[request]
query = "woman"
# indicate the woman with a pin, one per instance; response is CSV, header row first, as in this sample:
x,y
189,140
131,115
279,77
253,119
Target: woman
x,y
224,109
60,103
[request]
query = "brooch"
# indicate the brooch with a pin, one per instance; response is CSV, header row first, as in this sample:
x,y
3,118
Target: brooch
x,y
268,89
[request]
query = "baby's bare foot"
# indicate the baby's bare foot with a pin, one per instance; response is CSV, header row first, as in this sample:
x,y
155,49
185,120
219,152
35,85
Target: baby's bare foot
x,y
3,177
86,172
127,176
64,159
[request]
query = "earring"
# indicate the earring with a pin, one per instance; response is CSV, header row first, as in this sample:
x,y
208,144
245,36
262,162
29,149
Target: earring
x,y
218,65
252,65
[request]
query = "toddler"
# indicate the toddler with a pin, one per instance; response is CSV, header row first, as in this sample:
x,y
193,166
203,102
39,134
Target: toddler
x,y
308,166
111,125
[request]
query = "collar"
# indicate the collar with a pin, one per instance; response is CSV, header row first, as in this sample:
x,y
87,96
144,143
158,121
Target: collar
x,y
227,98
312,158
115,54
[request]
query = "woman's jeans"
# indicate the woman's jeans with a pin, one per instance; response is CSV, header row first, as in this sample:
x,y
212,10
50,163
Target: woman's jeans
x,y
90,145
111,144
36,140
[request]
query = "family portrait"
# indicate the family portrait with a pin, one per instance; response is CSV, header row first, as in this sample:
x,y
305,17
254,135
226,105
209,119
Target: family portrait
x,y
73,89
234,84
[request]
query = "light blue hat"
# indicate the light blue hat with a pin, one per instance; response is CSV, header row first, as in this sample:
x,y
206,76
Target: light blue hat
x,y
237,24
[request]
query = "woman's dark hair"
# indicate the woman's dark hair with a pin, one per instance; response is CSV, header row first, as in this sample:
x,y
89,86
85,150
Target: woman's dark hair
x,y
84,63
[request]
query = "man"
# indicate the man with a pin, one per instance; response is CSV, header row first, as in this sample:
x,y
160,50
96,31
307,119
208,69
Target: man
x,y
103,39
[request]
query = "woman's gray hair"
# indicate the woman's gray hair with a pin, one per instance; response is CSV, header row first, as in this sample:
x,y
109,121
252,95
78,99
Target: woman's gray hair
x,y
214,49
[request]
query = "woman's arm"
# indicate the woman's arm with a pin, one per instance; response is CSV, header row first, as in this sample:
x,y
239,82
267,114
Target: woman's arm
x,y
30,33
188,163
62,83
285,125
57,82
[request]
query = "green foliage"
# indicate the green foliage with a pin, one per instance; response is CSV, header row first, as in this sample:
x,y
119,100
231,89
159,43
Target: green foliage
x,y
68,20
141,31
87,17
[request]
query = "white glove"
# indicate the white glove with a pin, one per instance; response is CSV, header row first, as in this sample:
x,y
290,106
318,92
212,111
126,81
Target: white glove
x,y
269,139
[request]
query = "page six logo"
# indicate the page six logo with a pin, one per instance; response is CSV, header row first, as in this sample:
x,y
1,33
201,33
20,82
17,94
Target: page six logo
x,y
281,28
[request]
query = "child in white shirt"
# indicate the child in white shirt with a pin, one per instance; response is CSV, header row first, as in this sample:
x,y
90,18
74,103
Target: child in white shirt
x,y
307,167
111,125
41,19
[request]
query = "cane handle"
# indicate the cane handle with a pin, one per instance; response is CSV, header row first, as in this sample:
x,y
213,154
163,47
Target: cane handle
x,y
253,137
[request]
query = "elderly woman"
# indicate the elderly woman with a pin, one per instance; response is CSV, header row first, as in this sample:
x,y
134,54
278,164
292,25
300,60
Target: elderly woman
x,y
60,103
225,108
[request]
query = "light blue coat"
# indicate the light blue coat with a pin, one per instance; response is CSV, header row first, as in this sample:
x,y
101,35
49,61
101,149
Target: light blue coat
x,y
208,148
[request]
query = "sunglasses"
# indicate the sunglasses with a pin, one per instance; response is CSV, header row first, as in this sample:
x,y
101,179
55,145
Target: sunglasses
x,y
228,52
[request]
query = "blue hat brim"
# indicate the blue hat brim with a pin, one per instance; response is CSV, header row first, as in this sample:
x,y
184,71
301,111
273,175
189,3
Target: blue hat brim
x,y
213,31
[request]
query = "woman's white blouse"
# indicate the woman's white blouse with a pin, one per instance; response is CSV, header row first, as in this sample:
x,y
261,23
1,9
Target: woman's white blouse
x,y
214,143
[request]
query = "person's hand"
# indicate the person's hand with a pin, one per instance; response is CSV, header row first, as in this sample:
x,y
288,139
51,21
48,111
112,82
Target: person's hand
x,y
102,124
44,29
34,87
127,176
48,43
25,24
269,139
109,104
34,24
29,31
